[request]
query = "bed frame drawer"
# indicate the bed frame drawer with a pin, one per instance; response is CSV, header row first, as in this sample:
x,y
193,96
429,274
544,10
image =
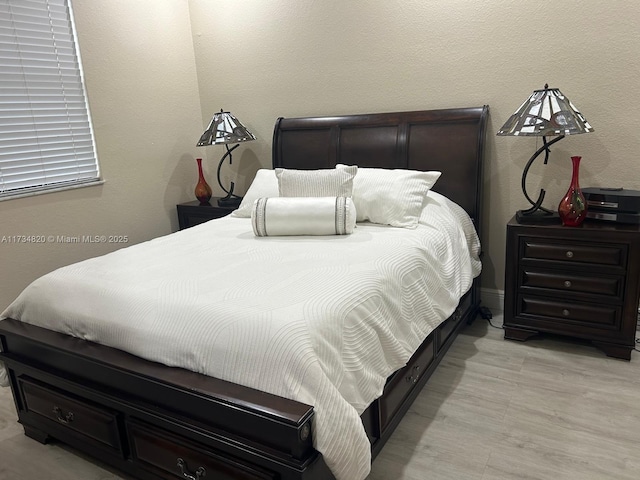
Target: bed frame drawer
x,y
447,327
403,381
171,456
82,419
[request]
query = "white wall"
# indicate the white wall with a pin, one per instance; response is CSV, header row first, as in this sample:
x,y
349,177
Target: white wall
x,y
157,70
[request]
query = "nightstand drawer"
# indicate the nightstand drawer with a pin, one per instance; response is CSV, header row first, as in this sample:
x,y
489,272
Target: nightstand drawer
x,y
569,282
568,312
193,219
609,255
191,214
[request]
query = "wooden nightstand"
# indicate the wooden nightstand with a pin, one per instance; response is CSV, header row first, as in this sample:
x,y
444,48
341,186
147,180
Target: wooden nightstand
x,y
578,281
192,213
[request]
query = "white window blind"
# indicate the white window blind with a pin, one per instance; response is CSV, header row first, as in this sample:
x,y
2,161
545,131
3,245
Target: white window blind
x,y
46,139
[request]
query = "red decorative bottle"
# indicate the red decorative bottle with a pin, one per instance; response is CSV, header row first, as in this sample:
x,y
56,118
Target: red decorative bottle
x,y
573,207
203,190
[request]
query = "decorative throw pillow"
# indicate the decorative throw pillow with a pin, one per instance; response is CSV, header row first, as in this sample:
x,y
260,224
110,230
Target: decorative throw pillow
x,y
303,216
316,183
391,196
265,184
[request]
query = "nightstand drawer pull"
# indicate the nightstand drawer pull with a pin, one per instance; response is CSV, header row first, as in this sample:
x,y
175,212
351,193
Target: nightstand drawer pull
x,y
566,312
569,254
567,283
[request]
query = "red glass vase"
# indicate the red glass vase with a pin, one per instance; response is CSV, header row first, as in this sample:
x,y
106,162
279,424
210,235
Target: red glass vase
x,y
203,190
573,207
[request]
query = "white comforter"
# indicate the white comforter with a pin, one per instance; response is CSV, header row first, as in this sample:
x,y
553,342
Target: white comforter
x,y
321,320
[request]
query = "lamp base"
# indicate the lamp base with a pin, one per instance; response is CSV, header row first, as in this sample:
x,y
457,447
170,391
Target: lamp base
x,y
538,217
230,201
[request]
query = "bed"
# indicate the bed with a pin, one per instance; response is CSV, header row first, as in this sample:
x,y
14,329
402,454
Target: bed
x,y
152,420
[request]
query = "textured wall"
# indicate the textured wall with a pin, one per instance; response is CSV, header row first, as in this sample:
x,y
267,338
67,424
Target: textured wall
x,y
152,87
262,60
141,82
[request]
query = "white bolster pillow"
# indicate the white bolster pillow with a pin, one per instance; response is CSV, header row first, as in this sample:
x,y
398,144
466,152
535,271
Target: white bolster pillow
x,y
303,216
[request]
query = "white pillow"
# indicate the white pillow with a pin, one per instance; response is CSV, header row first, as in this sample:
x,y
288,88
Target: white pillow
x,y
303,216
391,196
316,183
265,184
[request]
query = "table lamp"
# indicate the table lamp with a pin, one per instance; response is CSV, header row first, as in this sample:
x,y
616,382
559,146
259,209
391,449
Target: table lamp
x,y
546,112
223,130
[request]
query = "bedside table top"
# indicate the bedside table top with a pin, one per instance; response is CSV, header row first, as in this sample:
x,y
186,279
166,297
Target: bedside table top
x,y
588,224
213,203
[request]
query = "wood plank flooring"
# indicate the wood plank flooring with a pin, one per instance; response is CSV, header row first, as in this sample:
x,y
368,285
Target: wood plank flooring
x,y
494,410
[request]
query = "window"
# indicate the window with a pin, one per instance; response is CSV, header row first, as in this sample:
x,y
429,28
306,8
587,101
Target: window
x,y
46,139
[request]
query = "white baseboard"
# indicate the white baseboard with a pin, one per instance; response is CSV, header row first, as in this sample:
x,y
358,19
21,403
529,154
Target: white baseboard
x,y
492,299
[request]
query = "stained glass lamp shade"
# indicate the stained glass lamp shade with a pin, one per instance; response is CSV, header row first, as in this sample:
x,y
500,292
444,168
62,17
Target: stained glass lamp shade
x,y
224,129
546,112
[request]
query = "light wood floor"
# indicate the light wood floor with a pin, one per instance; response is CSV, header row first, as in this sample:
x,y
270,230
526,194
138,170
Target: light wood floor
x,y
494,410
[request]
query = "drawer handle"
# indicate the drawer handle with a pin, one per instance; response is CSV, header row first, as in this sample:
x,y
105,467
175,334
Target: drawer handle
x,y
569,254
415,375
566,312
567,283
200,472
66,419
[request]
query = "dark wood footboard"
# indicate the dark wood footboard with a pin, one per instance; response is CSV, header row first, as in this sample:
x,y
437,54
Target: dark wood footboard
x,y
117,407
154,421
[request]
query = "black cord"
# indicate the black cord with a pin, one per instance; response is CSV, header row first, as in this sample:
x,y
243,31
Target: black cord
x,y
485,313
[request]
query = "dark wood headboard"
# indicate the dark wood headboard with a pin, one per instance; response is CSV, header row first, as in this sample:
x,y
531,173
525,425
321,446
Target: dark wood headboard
x,y
450,141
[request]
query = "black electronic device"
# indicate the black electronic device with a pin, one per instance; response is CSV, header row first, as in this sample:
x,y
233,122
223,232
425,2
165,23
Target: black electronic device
x,y
613,204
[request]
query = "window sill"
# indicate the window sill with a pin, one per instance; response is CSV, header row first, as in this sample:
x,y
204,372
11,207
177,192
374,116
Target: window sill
x,y
32,193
